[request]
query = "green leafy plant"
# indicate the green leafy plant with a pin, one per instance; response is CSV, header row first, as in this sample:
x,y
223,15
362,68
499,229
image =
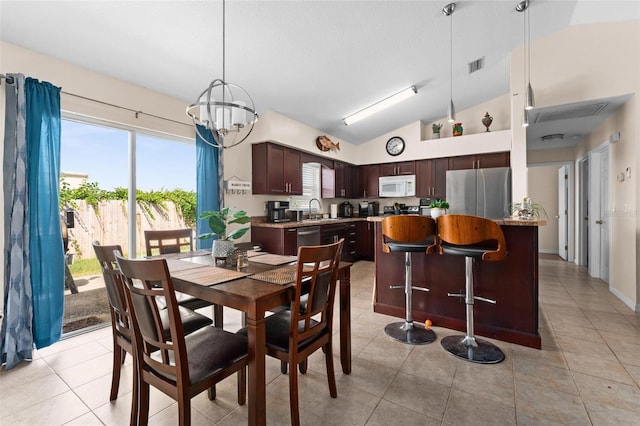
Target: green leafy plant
x,y
527,209
439,204
92,194
220,220
435,127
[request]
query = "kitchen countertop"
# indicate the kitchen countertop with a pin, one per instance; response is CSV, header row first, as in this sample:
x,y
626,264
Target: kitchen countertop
x,y
509,221
261,222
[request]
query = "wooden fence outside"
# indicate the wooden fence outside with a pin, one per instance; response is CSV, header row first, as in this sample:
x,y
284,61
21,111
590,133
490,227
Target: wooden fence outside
x,y
109,223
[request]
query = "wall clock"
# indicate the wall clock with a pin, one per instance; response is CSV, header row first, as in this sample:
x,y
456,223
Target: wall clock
x,y
395,146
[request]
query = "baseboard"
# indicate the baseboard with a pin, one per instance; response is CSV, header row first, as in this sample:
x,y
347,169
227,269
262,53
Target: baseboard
x,y
548,251
633,306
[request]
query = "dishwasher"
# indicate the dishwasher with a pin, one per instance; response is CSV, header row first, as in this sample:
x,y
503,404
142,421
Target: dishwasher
x,y
309,236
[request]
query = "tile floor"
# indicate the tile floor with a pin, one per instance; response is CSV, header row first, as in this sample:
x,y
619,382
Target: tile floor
x,y
588,372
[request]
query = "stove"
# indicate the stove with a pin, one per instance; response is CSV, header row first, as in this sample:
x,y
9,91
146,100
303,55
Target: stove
x,y
390,210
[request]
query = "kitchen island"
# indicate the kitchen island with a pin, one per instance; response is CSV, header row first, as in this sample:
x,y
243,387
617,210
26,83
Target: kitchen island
x,y
512,283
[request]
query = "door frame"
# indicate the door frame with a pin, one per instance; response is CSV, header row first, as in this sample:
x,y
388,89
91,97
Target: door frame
x,y
583,211
563,212
570,203
599,196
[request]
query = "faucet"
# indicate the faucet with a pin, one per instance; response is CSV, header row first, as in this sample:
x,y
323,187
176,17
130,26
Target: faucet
x,y
317,211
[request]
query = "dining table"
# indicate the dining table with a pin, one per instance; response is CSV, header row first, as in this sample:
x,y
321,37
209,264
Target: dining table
x,y
264,285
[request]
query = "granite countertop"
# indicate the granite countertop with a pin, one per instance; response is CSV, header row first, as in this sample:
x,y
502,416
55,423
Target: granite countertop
x,y
508,221
262,223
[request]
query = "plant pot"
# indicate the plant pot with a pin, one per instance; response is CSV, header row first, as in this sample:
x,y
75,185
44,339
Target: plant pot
x,y
435,212
221,249
435,136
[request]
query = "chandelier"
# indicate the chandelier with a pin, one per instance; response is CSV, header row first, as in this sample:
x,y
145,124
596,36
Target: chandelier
x,y
224,109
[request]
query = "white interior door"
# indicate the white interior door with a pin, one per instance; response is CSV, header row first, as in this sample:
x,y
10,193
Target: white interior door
x,y
598,214
563,207
594,214
605,217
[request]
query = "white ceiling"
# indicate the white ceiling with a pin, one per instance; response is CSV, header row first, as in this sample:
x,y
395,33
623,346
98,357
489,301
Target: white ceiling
x,y
315,61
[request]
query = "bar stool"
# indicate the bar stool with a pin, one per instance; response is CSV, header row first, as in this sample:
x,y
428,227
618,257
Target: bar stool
x,y
408,234
475,238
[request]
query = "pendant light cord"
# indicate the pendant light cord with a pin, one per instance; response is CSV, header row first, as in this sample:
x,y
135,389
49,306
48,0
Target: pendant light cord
x,y
526,50
223,41
451,57
528,11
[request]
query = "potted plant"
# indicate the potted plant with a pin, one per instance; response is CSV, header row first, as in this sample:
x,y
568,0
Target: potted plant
x,y
438,207
218,223
436,130
527,209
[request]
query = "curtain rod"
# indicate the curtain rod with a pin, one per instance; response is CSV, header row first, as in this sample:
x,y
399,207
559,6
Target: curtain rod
x,y
8,78
137,112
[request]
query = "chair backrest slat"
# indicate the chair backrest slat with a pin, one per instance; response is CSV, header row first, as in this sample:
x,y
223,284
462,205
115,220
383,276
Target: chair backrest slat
x,y
147,280
114,284
168,241
317,268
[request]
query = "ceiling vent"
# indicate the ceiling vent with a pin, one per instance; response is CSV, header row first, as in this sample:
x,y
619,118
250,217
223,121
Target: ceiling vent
x,y
569,112
476,65
553,137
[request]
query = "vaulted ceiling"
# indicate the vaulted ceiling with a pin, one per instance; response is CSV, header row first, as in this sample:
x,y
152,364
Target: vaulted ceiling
x,y
314,61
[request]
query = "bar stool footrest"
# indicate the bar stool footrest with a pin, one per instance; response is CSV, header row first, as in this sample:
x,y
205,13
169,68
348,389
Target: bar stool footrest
x,y
484,353
411,333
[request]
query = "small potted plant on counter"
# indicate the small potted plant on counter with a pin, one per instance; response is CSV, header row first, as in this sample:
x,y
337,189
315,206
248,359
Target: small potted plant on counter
x,y
438,208
527,210
218,223
435,127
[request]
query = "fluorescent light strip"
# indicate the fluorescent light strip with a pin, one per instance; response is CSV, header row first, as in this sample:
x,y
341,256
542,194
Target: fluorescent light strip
x,y
380,105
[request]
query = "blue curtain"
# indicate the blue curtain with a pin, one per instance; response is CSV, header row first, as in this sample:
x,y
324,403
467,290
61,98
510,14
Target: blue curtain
x,y
16,335
208,181
45,244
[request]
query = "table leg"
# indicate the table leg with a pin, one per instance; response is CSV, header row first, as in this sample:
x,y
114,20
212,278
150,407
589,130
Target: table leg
x,y
345,320
257,383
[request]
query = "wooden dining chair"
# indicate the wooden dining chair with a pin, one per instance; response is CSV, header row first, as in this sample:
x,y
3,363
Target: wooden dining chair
x,y
122,331
292,335
170,241
179,365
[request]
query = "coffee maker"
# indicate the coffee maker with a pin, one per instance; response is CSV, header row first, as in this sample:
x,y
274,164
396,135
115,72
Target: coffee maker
x,y
345,209
276,211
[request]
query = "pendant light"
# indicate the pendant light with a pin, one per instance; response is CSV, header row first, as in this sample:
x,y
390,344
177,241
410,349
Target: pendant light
x,y
529,103
451,110
224,109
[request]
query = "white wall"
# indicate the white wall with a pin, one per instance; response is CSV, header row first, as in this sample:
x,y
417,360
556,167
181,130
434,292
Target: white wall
x,y
582,63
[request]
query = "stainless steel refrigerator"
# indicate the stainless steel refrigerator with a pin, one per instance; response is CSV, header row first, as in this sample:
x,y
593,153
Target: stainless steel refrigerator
x,y
480,192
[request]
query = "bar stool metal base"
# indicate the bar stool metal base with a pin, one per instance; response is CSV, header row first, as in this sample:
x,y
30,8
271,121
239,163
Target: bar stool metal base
x,y
407,332
482,352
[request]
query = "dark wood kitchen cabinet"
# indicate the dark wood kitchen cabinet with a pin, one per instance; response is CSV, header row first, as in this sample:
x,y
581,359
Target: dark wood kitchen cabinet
x,y
479,161
343,187
431,177
276,240
276,170
365,238
368,177
397,169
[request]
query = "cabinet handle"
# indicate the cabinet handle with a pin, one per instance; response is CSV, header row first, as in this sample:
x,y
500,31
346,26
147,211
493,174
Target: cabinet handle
x,y
478,163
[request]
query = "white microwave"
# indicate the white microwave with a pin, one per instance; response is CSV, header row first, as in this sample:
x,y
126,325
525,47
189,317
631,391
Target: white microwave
x,y
397,186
